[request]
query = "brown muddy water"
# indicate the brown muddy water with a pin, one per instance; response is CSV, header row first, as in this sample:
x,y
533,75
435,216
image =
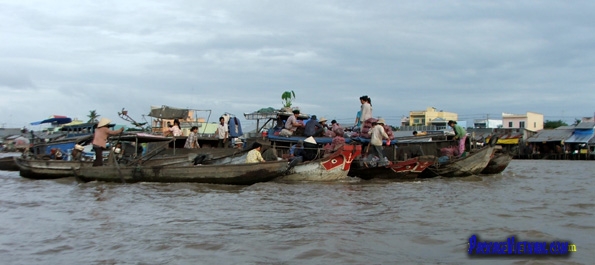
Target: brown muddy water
x,y
348,222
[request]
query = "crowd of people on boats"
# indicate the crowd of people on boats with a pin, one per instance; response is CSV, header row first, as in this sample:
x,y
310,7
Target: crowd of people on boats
x,y
365,125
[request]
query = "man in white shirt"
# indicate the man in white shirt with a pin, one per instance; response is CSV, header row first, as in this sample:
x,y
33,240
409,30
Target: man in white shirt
x,y
222,132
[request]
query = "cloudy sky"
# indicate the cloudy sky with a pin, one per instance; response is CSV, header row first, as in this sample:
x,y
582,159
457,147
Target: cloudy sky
x,y
475,58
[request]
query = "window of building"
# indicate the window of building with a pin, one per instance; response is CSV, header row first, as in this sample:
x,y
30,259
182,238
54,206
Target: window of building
x,y
509,124
521,124
534,124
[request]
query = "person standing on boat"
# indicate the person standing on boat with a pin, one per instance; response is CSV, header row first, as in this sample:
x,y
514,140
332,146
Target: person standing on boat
x,y
102,132
254,156
192,140
377,134
366,108
460,135
291,125
358,122
222,132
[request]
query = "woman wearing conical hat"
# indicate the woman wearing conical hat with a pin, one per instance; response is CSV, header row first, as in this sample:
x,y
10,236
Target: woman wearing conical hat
x,y
102,132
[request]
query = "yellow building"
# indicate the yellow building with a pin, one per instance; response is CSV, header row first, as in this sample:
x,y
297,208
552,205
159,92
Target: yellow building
x,y
431,116
530,121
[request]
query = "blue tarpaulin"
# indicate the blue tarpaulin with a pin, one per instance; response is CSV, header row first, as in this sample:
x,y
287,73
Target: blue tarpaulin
x,y
53,120
580,136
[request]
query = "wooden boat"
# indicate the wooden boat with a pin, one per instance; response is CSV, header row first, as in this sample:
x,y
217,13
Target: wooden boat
x,y
34,167
54,169
333,167
471,164
8,164
48,169
498,163
407,169
233,174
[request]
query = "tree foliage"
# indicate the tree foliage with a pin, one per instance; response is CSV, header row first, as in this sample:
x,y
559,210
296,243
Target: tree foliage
x,y
93,116
553,124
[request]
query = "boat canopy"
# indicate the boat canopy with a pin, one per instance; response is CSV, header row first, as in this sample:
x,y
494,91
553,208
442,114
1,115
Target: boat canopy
x,y
165,112
56,119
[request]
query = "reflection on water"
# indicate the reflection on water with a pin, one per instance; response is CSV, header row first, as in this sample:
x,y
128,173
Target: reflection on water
x,y
350,222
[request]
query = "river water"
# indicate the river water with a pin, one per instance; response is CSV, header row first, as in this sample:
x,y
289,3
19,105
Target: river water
x,y
348,222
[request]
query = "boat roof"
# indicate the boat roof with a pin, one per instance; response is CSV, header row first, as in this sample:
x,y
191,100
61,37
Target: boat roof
x,y
141,137
166,112
59,120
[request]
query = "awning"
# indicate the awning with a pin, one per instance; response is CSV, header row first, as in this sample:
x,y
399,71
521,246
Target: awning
x,y
508,141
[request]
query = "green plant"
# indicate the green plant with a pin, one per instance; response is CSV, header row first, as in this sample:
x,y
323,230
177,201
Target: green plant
x,y
287,96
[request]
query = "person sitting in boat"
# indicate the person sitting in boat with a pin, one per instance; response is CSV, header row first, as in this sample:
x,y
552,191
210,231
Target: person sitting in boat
x,y
254,155
270,154
175,129
77,152
239,144
118,151
310,149
56,154
377,134
291,125
192,140
314,127
100,139
297,151
335,130
460,136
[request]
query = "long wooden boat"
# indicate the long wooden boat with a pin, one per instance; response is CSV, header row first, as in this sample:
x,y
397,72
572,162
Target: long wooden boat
x,y
54,169
48,169
233,174
471,164
407,169
8,164
333,167
498,163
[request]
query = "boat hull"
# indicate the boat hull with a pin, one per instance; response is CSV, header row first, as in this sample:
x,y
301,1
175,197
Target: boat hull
x,y
497,164
48,169
331,168
233,174
408,169
8,164
472,164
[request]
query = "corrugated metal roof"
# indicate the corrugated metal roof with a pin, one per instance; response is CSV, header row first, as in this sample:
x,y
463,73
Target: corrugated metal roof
x,y
580,136
550,135
586,125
